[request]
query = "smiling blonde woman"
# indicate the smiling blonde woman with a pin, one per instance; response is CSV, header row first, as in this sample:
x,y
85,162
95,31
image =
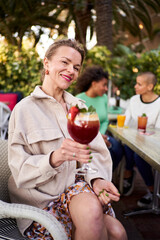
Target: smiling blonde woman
x,y
42,157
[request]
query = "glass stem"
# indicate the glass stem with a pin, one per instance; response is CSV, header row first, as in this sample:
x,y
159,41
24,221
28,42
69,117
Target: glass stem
x,y
85,166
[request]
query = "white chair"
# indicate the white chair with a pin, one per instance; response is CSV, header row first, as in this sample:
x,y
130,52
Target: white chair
x,y
4,118
9,211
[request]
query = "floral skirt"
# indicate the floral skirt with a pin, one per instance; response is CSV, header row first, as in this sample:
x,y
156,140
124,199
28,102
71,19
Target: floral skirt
x,y
60,209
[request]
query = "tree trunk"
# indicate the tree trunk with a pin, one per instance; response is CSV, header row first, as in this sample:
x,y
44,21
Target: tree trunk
x,y
104,23
83,18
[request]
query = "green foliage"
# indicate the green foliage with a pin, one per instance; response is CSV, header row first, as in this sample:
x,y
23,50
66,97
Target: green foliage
x,y
150,61
123,73
120,66
19,71
124,66
18,17
98,55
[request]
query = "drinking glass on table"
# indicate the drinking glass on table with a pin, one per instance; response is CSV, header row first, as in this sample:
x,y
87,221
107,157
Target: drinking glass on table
x,y
120,120
83,128
142,123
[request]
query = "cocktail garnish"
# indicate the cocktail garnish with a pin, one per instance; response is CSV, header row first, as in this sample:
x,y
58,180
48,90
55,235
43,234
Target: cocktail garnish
x,y
74,110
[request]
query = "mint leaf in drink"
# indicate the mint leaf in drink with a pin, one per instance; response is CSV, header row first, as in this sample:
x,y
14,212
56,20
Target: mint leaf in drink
x,y
144,115
91,109
81,109
84,110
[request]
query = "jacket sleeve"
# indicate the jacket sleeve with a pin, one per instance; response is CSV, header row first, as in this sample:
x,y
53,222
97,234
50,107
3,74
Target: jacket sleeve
x,y
28,161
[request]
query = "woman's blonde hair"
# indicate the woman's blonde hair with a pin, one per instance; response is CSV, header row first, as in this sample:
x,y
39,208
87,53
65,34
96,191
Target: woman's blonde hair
x,y
64,42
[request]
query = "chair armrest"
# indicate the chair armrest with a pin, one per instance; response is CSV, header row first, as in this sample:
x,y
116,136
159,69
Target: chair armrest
x,y
11,210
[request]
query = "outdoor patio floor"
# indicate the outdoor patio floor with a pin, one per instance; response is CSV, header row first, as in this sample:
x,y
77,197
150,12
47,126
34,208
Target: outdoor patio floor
x,y
138,227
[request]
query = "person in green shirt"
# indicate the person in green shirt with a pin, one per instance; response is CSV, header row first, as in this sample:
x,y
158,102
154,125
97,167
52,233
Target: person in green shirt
x,y
92,87
100,103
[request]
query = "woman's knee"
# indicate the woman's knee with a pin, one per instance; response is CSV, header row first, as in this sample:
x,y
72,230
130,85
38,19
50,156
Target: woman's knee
x,y
119,233
87,215
86,206
115,229
92,206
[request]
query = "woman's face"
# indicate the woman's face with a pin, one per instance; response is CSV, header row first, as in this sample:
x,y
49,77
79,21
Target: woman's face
x,y
100,87
141,86
63,67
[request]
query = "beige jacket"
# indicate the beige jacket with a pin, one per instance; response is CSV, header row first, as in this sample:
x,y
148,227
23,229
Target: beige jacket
x,y
37,127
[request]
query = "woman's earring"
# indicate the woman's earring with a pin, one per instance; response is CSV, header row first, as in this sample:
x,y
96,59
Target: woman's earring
x,y
46,71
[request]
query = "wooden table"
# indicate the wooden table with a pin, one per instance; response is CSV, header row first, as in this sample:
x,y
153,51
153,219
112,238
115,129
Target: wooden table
x,y
148,147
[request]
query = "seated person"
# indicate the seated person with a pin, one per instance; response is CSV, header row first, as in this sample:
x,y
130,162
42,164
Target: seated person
x,y
92,87
42,157
145,101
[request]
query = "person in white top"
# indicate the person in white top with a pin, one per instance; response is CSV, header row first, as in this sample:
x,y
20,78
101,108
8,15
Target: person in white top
x,y
148,102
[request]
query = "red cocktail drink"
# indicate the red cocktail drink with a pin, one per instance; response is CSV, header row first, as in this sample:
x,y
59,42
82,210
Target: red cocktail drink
x,y
83,130
83,127
142,123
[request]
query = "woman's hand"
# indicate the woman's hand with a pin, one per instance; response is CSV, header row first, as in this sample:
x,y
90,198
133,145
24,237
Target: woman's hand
x,y
106,191
71,151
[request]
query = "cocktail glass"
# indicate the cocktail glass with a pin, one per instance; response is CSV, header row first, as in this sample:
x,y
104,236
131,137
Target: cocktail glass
x,y
120,120
83,129
142,123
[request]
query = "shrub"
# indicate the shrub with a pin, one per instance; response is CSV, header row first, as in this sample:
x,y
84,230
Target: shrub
x,y
19,71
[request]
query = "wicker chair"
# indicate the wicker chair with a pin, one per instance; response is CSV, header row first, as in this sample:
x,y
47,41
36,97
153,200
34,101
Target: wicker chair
x,y
9,211
4,117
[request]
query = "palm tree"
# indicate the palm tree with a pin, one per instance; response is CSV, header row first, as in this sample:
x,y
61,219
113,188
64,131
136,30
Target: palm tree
x,y
81,13
17,18
129,14
104,23
126,15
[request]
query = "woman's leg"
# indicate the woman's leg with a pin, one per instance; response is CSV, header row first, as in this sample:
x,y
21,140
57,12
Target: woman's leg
x,y
90,222
145,170
88,218
116,151
115,229
129,155
129,174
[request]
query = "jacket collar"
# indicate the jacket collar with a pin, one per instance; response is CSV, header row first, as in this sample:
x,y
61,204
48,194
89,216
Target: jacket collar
x,y
69,98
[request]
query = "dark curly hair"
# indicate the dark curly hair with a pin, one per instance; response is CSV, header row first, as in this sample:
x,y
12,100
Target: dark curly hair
x,y
90,74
